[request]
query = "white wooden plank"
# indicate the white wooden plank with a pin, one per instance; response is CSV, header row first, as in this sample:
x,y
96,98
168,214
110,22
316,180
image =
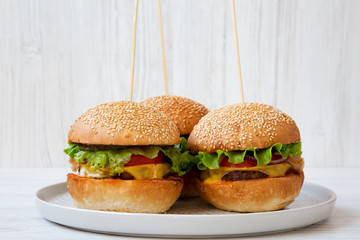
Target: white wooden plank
x,y
59,58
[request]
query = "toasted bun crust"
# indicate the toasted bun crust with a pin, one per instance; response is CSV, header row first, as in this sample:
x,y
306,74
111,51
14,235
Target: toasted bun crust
x,y
258,195
189,190
184,112
146,196
124,123
240,126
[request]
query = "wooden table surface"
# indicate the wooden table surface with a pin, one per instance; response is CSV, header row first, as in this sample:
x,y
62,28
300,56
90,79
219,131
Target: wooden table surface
x,y
19,218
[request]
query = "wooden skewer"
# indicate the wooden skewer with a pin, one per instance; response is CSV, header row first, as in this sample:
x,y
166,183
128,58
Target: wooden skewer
x,y
163,48
133,50
237,50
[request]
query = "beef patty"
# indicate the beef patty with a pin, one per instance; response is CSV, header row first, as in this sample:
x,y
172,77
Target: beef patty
x,y
243,175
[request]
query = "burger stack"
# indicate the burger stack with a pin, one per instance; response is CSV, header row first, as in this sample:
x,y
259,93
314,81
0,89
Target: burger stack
x,y
249,156
141,157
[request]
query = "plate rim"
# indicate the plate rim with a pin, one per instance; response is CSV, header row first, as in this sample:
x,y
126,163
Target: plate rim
x,y
310,214
186,215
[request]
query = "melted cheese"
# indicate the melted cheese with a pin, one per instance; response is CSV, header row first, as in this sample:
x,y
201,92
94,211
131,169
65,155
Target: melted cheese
x,y
277,170
145,171
148,171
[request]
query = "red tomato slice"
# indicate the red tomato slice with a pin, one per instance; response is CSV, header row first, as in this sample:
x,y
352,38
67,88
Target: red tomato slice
x,y
140,160
244,164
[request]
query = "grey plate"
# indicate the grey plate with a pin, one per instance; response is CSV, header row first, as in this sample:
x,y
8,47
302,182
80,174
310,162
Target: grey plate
x,y
187,218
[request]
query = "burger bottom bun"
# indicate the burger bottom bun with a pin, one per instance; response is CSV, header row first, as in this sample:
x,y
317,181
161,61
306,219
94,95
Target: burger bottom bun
x,y
189,190
258,195
136,196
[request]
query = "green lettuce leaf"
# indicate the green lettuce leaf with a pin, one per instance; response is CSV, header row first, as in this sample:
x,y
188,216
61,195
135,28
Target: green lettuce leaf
x,y
207,160
182,145
186,161
181,162
115,159
263,156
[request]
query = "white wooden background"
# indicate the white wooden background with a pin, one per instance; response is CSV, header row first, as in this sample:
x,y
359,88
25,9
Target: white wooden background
x,y
61,57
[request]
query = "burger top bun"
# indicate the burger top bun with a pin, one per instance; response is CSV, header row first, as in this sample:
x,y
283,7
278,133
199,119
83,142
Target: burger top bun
x,y
184,112
240,126
124,123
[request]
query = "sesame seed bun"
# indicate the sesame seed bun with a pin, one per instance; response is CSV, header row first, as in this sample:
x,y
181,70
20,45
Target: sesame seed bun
x,y
124,123
184,112
258,195
146,196
240,126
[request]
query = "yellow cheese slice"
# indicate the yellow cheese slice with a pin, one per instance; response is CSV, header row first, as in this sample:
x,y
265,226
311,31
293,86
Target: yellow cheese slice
x,y
145,171
148,171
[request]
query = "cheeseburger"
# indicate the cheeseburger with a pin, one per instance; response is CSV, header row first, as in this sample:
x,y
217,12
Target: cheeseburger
x,y
185,113
250,157
122,153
